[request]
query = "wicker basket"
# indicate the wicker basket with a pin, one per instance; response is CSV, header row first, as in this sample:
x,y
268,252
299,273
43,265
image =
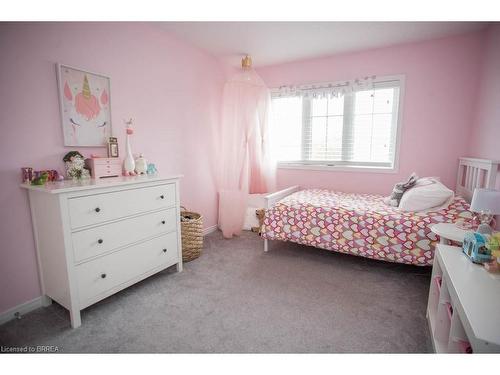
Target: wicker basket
x,y
192,235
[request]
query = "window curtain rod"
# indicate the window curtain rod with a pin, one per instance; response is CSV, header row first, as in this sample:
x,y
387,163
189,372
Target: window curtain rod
x,y
333,88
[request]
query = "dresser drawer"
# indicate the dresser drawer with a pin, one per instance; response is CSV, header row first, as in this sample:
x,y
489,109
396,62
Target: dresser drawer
x,y
107,161
95,209
88,243
98,276
108,170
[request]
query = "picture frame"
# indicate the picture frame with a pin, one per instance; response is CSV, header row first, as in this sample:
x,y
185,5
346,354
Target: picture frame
x,y
113,147
85,106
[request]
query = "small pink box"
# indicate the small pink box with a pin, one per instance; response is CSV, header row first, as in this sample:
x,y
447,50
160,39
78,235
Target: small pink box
x,y
104,167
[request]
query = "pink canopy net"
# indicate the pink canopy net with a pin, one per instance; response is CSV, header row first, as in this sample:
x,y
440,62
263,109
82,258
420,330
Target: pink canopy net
x,y
244,163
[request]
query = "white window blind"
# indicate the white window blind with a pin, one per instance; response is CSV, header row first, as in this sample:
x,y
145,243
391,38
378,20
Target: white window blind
x,y
355,128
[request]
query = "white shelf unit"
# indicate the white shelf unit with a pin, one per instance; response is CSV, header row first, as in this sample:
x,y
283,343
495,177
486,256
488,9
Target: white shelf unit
x,y
463,306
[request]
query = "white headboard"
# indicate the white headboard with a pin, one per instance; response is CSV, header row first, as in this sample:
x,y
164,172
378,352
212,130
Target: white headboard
x,y
475,173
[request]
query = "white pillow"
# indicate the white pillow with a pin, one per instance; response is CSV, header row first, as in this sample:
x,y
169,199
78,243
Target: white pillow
x,y
427,181
427,193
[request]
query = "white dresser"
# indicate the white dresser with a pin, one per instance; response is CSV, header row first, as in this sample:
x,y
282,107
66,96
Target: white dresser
x,y
464,304
96,237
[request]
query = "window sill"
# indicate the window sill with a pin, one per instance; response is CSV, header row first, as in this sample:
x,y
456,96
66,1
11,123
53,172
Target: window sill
x,y
338,168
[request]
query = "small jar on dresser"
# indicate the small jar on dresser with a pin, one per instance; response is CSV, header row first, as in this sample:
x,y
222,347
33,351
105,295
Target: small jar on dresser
x,y
96,237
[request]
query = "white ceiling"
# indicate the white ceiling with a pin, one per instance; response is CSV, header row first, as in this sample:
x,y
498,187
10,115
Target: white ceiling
x,y
277,42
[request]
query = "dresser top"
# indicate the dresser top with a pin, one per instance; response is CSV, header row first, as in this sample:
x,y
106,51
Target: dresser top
x,y
477,290
67,186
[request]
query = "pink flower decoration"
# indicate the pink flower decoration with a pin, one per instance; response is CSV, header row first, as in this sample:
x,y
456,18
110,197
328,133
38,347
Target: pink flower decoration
x,y
130,131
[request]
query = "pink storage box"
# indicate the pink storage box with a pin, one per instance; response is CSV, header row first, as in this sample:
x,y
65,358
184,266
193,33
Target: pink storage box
x,y
449,310
104,167
465,347
438,282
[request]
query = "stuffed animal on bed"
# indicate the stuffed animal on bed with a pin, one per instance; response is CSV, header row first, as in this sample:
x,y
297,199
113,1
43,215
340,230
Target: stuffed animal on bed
x,y
260,213
399,189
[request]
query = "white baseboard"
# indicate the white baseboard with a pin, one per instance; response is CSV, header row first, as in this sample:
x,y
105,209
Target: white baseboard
x,y
22,309
209,230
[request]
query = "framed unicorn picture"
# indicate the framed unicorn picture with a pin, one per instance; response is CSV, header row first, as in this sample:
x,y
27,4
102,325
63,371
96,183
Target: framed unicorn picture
x,y
85,103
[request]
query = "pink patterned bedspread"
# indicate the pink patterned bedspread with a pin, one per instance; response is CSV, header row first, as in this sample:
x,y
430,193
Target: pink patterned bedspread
x,y
358,224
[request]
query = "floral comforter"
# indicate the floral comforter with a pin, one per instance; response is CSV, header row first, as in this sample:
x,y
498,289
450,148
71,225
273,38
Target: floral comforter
x,y
358,224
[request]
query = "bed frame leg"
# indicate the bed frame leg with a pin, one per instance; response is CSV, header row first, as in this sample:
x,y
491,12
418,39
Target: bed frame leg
x,y
266,245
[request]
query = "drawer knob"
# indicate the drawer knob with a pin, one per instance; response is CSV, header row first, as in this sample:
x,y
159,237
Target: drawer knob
x,y
164,250
97,209
162,196
100,240
163,221
103,276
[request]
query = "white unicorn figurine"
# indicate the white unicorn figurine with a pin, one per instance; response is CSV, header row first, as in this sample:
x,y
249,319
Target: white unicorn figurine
x,y
129,162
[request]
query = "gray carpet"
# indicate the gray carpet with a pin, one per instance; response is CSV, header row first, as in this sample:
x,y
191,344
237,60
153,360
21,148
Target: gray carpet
x,y
236,298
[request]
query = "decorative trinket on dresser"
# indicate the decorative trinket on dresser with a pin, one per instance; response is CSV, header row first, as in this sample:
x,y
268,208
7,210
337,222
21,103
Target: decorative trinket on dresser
x,y
128,162
27,173
104,167
474,246
75,166
30,176
152,169
113,147
141,165
41,179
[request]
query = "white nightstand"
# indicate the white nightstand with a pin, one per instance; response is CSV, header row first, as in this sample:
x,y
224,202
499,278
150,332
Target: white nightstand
x,y
464,301
449,232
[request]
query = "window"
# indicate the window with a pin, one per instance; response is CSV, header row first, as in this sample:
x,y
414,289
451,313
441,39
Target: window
x,y
357,129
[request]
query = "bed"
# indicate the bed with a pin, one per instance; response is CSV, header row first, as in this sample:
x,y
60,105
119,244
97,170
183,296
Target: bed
x,y
363,225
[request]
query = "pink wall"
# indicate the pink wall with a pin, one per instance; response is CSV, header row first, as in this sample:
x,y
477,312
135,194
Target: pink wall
x,y
171,89
485,135
441,81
